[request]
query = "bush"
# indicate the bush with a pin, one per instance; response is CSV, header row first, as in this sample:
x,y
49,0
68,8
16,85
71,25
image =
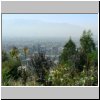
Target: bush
x,y
68,76
9,70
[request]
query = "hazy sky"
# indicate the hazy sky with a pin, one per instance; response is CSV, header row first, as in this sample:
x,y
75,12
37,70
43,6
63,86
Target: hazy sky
x,y
48,25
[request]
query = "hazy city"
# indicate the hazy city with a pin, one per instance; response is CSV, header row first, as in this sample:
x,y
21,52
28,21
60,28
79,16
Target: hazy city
x,y
52,47
34,46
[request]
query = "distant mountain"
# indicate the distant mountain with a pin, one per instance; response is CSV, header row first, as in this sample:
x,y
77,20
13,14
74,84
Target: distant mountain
x,y
40,29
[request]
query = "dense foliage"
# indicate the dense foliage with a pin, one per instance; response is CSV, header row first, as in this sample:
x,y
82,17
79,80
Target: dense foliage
x,y
69,51
9,71
77,66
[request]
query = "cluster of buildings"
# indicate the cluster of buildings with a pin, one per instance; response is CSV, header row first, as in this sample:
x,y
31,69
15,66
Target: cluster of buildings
x,y
51,53
51,49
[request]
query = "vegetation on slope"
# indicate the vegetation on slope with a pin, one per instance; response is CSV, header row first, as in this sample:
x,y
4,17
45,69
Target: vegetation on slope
x,y
77,66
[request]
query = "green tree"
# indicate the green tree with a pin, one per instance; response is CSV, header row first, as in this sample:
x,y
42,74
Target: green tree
x,y
93,58
4,56
14,53
9,71
86,41
26,50
68,51
87,45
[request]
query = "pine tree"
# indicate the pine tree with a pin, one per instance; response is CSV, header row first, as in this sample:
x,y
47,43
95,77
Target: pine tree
x,y
68,51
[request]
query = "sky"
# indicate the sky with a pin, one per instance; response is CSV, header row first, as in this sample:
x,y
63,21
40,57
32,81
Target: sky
x,y
48,25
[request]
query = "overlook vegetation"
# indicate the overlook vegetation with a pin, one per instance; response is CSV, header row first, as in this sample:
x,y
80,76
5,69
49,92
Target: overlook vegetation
x,y
77,66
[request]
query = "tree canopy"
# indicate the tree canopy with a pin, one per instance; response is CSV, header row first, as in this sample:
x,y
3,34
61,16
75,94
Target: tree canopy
x,y
86,41
68,51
